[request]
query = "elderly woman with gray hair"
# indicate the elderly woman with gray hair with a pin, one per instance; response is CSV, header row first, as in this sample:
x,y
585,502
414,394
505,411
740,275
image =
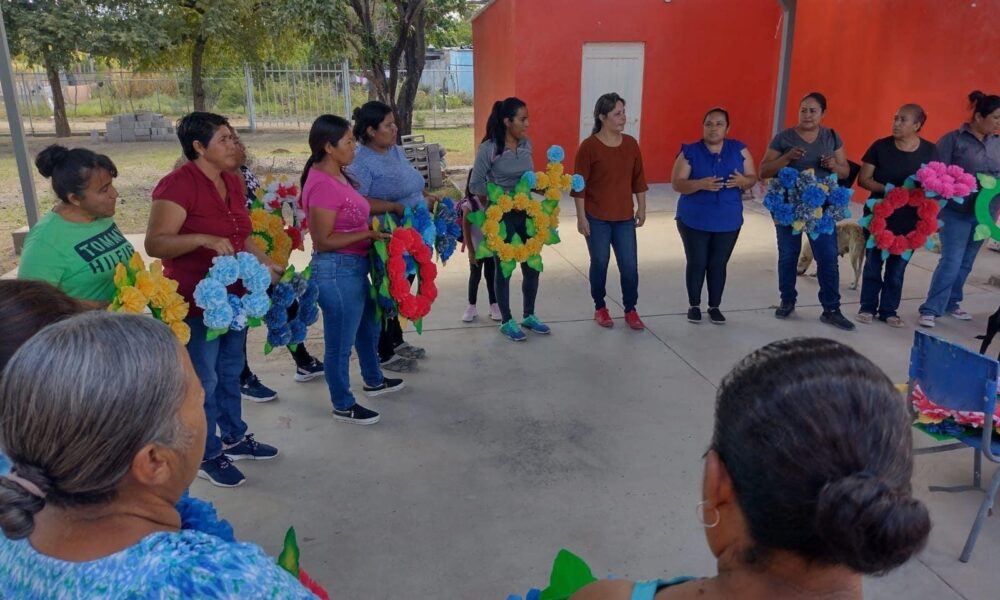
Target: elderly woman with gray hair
x,y
90,508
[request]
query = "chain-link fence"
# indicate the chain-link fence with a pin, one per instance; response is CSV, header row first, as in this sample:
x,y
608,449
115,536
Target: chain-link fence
x,y
260,97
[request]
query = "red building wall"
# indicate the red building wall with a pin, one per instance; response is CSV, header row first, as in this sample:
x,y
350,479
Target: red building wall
x,y
871,56
698,54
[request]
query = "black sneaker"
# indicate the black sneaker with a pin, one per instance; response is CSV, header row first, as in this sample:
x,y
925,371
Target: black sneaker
x,y
309,372
357,414
715,315
784,310
837,319
253,389
250,449
694,315
221,471
387,386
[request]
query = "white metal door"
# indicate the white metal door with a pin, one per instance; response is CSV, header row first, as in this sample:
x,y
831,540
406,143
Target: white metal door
x,y
612,67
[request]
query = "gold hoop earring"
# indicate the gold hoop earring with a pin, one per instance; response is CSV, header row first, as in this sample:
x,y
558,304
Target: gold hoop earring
x,y
699,510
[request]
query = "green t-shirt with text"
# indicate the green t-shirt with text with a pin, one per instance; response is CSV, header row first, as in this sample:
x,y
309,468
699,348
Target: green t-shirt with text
x,y
78,258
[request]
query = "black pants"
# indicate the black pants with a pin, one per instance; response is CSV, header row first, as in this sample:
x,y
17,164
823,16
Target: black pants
x,y
516,222
707,255
487,266
390,337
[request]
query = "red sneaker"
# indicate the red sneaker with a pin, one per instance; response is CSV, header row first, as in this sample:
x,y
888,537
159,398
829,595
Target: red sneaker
x,y
603,318
633,320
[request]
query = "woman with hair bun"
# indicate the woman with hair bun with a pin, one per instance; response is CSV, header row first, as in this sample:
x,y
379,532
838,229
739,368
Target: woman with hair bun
x,y
975,146
809,516
77,245
384,174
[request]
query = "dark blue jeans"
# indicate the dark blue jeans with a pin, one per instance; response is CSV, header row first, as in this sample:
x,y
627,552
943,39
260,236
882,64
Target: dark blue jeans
x,y
880,296
958,253
824,249
348,321
218,364
620,235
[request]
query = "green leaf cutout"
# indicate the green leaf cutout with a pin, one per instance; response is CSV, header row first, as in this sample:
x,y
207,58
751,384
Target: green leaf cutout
x,y
419,326
503,231
535,262
254,322
268,348
493,191
569,575
289,557
549,205
507,267
292,347
476,218
982,232
516,240
287,275
530,227
213,334
483,251
553,237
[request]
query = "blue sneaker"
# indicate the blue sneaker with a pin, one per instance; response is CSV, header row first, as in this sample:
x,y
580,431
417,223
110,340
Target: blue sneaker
x,y
250,449
531,322
512,330
253,389
221,471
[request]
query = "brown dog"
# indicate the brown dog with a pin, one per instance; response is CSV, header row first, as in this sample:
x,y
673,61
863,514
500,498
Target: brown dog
x,y
850,241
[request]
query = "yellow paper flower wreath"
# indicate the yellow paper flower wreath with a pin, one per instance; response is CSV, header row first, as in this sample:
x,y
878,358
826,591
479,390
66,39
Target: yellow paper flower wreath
x,y
494,215
270,236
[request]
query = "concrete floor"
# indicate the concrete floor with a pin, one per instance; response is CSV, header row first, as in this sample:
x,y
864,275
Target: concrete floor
x,y
497,455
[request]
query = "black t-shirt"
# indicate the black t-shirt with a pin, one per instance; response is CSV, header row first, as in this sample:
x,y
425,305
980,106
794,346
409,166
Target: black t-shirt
x,y
892,165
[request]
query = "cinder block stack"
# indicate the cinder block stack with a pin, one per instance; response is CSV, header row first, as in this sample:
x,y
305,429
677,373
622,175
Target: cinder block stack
x,y
142,126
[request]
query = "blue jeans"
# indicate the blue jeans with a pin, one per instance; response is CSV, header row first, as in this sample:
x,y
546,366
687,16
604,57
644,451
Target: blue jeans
x,y
958,252
824,249
218,364
348,321
880,296
620,235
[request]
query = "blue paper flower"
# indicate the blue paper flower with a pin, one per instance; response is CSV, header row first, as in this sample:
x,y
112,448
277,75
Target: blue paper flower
x,y
256,304
199,515
772,200
824,225
276,317
225,270
281,336
556,154
297,330
788,177
209,293
784,214
577,183
813,196
424,224
308,314
283,294
219,317
530,178
841,196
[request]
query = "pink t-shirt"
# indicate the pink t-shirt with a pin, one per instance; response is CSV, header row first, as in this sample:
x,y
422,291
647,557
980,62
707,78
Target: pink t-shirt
x,y
325,191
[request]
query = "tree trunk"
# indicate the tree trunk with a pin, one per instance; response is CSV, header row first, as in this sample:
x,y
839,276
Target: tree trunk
x,y
413,60
197,83
58,101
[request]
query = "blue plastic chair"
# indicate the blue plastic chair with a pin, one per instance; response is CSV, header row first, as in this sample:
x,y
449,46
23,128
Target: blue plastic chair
x,y
957,378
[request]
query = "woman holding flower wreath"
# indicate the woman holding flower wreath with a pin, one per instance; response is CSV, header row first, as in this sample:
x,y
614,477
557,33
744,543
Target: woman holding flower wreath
x,y
889,161
975,147
808,145
77,245
503,157
199,212
337,217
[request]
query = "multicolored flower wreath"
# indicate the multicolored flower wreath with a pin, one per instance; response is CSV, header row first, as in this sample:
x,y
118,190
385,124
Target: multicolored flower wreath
x,y
896,198
137,289
797,199
224,311
291,288
448,229
277,202
987,227
406,241
944,422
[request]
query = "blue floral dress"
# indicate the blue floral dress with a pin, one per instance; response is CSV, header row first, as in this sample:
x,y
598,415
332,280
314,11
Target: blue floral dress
x,y
163,565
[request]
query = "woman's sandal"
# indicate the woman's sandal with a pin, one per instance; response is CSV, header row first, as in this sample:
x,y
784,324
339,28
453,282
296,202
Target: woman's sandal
x,y
895,321
864,317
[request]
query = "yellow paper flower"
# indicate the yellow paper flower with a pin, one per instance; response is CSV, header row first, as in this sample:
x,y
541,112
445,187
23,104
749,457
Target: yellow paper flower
x,y
555,171
135,263
506,252
555,213
553,193
797,225
521,201
156,267
121,275
493,240
505,203
182,331
175,310
541,180
534,245
145,283
258,219
494,213
132,300
566,182
263,241
542,221
521,253
818,213
491,228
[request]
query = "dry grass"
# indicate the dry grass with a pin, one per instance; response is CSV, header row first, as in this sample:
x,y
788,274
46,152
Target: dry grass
x,y
142,164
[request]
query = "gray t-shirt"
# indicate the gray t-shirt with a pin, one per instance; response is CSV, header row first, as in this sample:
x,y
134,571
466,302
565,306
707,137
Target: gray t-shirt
x,y
827,142
504,170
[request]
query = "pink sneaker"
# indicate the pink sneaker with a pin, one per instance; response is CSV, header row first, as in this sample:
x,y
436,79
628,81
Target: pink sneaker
x,y
470,314
495,312
961,315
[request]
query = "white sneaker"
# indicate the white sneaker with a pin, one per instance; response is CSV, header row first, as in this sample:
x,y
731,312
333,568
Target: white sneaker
x,y
495,312
961,315
926,320
471,314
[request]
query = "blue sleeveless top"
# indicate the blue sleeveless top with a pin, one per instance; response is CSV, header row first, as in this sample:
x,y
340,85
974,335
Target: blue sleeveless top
x,y
712,211
646,590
